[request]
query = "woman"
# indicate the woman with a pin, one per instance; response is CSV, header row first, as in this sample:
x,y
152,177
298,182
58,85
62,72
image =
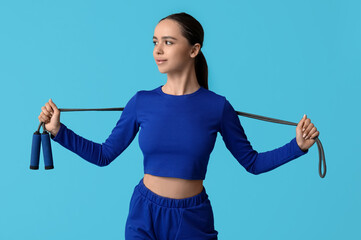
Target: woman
x,y
179,123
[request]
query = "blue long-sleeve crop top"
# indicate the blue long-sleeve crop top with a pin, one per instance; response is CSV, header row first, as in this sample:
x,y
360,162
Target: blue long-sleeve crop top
x,y
177,134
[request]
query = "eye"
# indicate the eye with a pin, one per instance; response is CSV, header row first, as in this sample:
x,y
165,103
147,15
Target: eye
x,y
170,43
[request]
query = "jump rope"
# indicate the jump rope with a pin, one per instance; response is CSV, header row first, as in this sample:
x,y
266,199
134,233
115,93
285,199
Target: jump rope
x,y
44,139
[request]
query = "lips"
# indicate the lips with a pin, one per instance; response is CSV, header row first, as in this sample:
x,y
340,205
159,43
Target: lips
x,y
159,61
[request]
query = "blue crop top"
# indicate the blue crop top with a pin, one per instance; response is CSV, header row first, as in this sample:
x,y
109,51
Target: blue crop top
x,y
177,135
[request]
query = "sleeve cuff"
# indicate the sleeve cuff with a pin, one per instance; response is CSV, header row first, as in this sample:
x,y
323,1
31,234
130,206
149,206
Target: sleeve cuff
x,y
297,148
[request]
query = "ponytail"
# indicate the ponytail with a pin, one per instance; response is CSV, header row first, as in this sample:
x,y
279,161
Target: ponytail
x,y
201,70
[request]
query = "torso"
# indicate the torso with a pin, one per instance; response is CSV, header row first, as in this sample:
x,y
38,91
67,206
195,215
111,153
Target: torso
x,y
176,188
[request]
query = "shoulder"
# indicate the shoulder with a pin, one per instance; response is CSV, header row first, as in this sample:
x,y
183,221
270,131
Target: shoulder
x,y
147,93
226,108
145,98
215,95
217,98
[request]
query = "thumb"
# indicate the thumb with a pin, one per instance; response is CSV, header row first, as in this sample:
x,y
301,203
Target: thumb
x,y
302,121
52,104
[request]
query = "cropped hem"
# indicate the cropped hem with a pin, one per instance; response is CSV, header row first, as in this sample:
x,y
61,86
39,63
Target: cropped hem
x,y
154,172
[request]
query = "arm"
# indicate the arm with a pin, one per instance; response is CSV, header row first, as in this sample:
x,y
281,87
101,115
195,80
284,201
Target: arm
x,y
103,154
237,143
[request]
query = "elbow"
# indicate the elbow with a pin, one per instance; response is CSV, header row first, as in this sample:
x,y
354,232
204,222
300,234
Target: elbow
x,y
104,158
252,167
103,161
102,164
254,171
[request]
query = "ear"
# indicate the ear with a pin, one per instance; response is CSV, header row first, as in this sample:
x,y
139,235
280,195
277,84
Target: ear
x,y
195,50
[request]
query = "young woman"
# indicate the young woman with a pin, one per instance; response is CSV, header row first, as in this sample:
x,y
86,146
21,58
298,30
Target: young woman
x,y
179,124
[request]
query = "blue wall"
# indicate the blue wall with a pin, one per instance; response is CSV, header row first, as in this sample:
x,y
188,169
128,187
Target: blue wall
x,y
280,59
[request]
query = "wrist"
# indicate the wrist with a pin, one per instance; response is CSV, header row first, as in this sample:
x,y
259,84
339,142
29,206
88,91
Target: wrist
x,y
301,147
55,131
304,149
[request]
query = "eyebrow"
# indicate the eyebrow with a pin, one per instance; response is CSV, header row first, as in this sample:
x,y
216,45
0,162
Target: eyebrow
x,y
165,37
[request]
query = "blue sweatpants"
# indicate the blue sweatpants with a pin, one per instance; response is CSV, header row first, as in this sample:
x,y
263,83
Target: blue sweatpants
x,y
155,217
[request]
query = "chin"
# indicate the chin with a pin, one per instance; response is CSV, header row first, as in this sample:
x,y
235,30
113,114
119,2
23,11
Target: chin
x,y
162,70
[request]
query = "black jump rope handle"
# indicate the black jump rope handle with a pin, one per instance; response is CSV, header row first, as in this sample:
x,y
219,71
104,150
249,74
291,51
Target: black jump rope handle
x,y
44,139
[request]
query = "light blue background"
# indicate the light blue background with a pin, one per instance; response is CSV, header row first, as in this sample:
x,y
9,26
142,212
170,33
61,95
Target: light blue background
x,y
279,59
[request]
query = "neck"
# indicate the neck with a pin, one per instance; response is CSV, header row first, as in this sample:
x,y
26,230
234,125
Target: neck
x,y
180,83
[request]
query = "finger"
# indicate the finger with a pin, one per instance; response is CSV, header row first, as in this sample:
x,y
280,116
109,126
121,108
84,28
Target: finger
x,y
53,105
306,124
44,119
308,129
312,131
48,107
314,135
302,121
45,111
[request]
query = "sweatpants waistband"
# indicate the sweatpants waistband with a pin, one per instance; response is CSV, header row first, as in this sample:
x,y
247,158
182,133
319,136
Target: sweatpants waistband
x,y
171,202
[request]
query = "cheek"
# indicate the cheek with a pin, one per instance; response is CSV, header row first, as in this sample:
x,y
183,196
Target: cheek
x,y
179,55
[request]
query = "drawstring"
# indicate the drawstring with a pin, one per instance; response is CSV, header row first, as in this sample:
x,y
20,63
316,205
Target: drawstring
x,y
319,145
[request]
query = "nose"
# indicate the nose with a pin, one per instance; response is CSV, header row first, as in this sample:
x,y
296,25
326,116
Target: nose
x,y
158,49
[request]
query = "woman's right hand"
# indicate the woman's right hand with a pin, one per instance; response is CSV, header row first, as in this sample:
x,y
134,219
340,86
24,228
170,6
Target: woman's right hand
x,y
50,115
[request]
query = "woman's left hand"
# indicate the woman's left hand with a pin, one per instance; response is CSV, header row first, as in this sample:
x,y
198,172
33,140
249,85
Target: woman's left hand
x,y
305,133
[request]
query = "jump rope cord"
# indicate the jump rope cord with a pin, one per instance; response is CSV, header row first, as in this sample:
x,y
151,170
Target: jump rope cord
x,y
321,153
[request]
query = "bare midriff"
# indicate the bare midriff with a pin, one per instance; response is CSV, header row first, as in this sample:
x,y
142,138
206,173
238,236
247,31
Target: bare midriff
x,y
170,187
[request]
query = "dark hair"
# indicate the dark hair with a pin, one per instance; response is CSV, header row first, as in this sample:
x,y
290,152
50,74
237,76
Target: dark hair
x,y
193,31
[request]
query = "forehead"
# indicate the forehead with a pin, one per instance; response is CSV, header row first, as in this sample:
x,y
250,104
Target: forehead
x,y
167,27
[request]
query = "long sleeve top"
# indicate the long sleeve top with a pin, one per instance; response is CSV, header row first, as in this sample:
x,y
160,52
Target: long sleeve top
x,y
177,134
